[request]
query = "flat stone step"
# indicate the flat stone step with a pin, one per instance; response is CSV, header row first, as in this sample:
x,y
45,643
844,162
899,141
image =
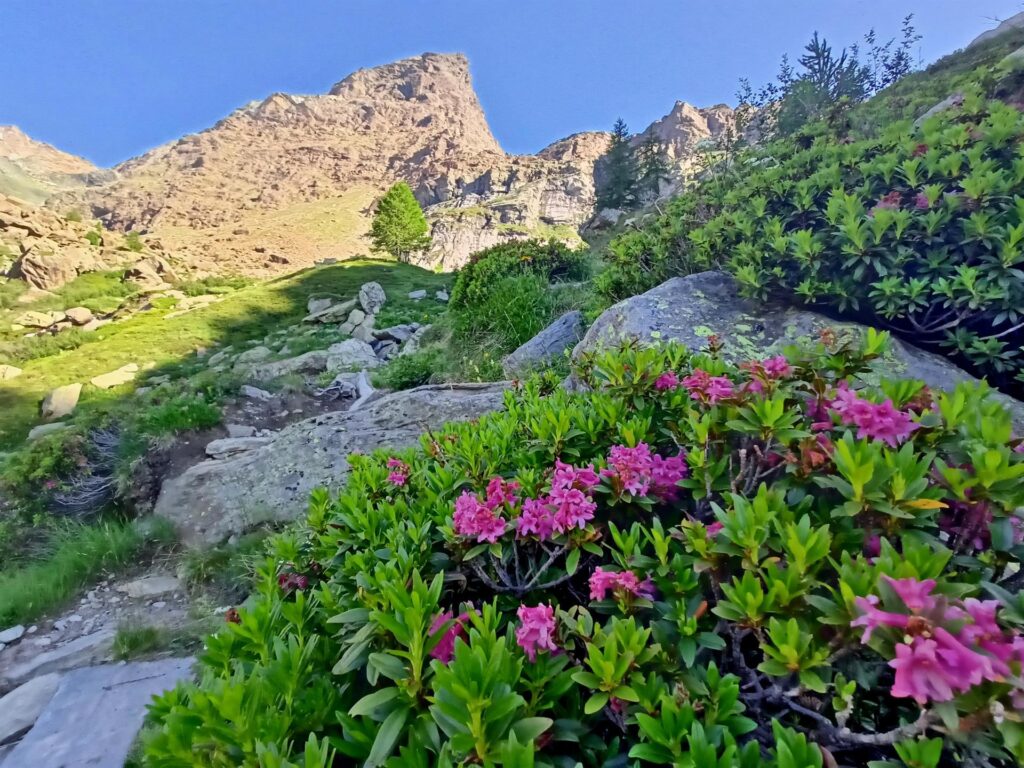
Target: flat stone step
x,y
93,718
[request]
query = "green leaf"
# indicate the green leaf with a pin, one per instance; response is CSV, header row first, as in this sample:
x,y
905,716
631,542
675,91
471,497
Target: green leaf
x,y
529,728
370,702
387,737
595,703
572,562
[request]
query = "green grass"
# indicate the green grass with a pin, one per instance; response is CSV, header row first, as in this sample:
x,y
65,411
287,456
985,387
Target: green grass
x,y
76,556
249,313
225,570
134,640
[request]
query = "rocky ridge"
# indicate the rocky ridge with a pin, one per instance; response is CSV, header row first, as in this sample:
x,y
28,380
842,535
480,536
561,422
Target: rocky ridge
x,y
33,170
291,179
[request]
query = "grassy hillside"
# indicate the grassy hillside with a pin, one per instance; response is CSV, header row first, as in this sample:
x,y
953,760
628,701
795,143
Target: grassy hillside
x,y
153,337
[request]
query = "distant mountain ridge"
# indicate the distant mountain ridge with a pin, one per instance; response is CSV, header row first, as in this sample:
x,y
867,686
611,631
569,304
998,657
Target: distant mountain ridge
x,y
33,170
290,179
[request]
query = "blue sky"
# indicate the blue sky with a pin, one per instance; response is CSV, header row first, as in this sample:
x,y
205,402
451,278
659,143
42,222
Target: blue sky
x,y
109,79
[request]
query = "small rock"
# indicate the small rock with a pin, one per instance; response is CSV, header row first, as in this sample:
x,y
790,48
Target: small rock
x,y
46,429
254,355
8,372
12,634
316,305
61,402
32,630
79,315
74,619
351,353
150,586
417,295
441,295
122,375
255,393
159,604
240,430
355,317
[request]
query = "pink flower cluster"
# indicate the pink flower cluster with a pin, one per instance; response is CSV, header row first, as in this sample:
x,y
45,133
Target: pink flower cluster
x,y
444,651
536,630
878,421
766,371
567,505
945,648
639,472
667,380
626,583
482,520
706,388
400,471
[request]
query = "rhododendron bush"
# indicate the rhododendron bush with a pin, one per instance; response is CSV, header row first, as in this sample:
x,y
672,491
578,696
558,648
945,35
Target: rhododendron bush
x,y
684,562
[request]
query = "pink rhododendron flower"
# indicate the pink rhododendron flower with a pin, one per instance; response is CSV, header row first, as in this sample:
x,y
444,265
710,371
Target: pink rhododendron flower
x,y
444,651
890,201
916,595
667,380
919,673
581,478
632,468
292,582
537,519
666,473
921,202
602,582
572,508
474,519
714,529
567,505
873,420
777,367
500,491
707,388
399,474
872,618
536,630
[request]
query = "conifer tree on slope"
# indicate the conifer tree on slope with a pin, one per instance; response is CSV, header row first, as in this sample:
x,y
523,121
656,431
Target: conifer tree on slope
x,y
399,226
652,167
619,188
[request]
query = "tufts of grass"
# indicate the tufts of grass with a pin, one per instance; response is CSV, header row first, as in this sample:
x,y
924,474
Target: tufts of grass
x,y
226,570
134,640
179,414
213,284
75,555
409,371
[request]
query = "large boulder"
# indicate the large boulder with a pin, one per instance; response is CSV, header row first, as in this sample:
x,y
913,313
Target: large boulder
x,y
8,372
215,499
79,315
351,354
550,343
690,309
372,298
152,274
314,361
60,402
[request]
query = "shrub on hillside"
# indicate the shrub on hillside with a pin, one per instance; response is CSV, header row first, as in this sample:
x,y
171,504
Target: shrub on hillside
x,y
920,232
551,261
514,310
408,371
693,563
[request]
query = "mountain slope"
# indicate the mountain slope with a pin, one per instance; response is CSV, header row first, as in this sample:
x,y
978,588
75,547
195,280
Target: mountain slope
x,y
33,170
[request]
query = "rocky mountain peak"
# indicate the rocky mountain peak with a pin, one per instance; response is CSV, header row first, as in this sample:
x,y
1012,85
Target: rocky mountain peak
x,y
17,146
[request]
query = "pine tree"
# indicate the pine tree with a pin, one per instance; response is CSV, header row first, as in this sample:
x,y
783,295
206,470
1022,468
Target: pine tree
x,y
651,167
619,188
399,226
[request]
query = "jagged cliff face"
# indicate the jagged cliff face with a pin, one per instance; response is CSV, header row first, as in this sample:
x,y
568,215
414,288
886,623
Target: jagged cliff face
x,y
686,131
290,180
31,170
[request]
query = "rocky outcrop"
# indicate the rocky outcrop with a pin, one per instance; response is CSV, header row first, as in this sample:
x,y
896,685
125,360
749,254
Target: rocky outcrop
x,y
31,170
49,250
60,402
1014,22
215,499
549,344
690,309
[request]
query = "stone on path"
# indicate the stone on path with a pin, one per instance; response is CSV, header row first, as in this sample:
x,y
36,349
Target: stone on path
x,y
150,586
255,393
8,372
11,634
240,430
87,649
351,354
417,295
61,402
20,708
96,713
122,375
